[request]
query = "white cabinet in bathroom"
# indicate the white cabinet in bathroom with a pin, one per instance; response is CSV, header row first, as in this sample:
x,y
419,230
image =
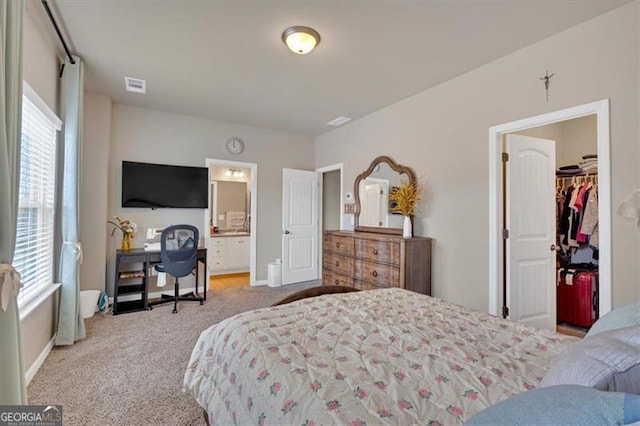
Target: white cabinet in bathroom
x,y
228,255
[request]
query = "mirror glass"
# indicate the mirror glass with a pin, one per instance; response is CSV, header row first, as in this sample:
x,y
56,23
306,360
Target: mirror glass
x,y
373,210
230,199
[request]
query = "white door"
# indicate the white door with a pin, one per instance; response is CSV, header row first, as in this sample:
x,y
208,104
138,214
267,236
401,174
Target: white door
x,y
531,221
300,227
374,202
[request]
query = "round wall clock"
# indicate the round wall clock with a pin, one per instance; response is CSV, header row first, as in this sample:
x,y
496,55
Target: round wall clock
x,y
234,146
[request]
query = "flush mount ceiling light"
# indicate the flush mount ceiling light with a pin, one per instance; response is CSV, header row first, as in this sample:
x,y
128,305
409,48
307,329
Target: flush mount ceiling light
x,y
301,40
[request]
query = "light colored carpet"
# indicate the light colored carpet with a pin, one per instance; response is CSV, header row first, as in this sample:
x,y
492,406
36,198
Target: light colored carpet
x,y
129,369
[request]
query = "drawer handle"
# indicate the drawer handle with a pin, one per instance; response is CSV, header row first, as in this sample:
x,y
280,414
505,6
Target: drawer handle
x,y
337,282
337,245
337,263
375,273
375,251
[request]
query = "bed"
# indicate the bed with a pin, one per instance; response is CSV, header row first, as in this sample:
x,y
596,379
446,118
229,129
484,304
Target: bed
x,y
369,357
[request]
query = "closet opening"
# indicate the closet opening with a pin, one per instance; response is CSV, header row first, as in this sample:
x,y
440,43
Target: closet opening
x,y
550,242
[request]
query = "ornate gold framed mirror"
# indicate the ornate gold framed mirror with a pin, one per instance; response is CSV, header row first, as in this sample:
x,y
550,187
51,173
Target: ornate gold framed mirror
x,y
371,189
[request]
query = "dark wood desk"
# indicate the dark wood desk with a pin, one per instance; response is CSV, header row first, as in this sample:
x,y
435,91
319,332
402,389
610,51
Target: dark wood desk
x,y
132,278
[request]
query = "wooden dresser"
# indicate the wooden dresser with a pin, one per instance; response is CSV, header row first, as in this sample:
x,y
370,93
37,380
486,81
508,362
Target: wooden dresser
x,y
369,261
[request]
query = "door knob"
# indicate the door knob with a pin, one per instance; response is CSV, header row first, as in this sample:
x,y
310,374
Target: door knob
x,y
287,232
554,248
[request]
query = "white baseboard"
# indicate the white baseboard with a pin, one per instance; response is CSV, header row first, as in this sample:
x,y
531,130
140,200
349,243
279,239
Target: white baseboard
x,y
31,372
259,283
154,295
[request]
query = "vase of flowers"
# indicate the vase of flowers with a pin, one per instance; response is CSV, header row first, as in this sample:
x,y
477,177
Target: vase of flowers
x,y
405,199
128,229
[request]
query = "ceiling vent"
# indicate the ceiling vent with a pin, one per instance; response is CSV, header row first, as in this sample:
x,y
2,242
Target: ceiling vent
x,y
136,85
338,121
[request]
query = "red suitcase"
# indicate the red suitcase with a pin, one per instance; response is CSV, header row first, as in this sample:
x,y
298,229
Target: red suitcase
x,y
577,297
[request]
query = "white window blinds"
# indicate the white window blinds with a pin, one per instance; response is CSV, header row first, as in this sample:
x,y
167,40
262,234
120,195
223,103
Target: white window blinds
x,y
33,257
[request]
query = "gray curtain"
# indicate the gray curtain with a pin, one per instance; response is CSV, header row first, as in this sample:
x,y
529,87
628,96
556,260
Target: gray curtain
x,y
12,384
70,322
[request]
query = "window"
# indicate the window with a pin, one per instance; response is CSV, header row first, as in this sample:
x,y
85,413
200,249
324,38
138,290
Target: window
x,y
33,257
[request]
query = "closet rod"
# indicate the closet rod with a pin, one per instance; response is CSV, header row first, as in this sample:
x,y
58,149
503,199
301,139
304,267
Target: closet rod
x,y
577,175
55,25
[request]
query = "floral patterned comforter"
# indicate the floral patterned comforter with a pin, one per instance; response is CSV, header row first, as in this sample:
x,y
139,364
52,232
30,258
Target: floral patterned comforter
x,y
370,357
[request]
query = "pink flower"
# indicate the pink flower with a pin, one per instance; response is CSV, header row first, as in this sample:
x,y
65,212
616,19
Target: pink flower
x,y
360,393
262,339
445,349
405,405
322,365
234,344
357,423
261,419
441,379
262,375
341,359
542,347
309,423
273,349
249,403
485,380
381,385
384,413
497,372
528,386
433,423
288,405
300,371
333,405
471,394
242,353
424,393
400,375
454,411
455,367
232,378
275,388
416,367
252,363
315,385
339,376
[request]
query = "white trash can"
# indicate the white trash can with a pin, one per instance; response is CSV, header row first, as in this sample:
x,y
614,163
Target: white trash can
x,y
274,274
89,302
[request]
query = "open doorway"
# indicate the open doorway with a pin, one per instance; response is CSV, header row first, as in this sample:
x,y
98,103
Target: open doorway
x,y
330,206
525,267
230,221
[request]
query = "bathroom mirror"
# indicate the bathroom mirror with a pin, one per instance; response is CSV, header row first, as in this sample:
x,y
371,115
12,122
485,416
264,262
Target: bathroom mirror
x,y
372,212
229,209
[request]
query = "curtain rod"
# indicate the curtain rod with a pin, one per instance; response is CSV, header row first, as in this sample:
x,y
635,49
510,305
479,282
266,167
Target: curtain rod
x,y
55,25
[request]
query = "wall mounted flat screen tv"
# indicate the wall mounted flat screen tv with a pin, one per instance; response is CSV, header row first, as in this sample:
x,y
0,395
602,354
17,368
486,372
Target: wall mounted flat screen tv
x,y
164,186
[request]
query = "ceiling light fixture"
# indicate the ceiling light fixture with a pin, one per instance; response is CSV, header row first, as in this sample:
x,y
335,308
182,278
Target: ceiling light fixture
x,y
300,40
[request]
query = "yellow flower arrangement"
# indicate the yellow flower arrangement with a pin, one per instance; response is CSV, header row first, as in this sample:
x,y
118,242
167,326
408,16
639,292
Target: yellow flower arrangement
x,y
405,197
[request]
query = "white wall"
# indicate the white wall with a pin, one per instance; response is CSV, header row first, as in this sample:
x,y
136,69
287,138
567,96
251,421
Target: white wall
x,y
145,135
443,134
94,183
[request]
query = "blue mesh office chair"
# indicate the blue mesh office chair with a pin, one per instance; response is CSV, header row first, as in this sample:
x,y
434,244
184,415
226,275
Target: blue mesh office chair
x,y
178,250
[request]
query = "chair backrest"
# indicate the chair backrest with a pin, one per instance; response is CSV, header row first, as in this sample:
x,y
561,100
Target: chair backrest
x,y
178,249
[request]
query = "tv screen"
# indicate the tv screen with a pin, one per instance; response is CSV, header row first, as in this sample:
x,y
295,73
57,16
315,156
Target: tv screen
x,y
164,186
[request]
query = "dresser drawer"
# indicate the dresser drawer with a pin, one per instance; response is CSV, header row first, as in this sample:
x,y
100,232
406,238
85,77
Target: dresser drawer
x,y
377,273
331,278
363,285
338,244
378,251
337,263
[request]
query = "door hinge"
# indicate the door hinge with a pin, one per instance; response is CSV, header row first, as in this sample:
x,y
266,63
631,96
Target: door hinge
x,y
505,234
505,311
505,157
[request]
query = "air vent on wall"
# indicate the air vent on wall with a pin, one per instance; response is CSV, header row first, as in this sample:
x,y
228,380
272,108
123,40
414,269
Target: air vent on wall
x,y
338,121
136,85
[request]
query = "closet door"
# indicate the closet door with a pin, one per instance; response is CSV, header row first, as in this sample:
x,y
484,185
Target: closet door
x,y
530,219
